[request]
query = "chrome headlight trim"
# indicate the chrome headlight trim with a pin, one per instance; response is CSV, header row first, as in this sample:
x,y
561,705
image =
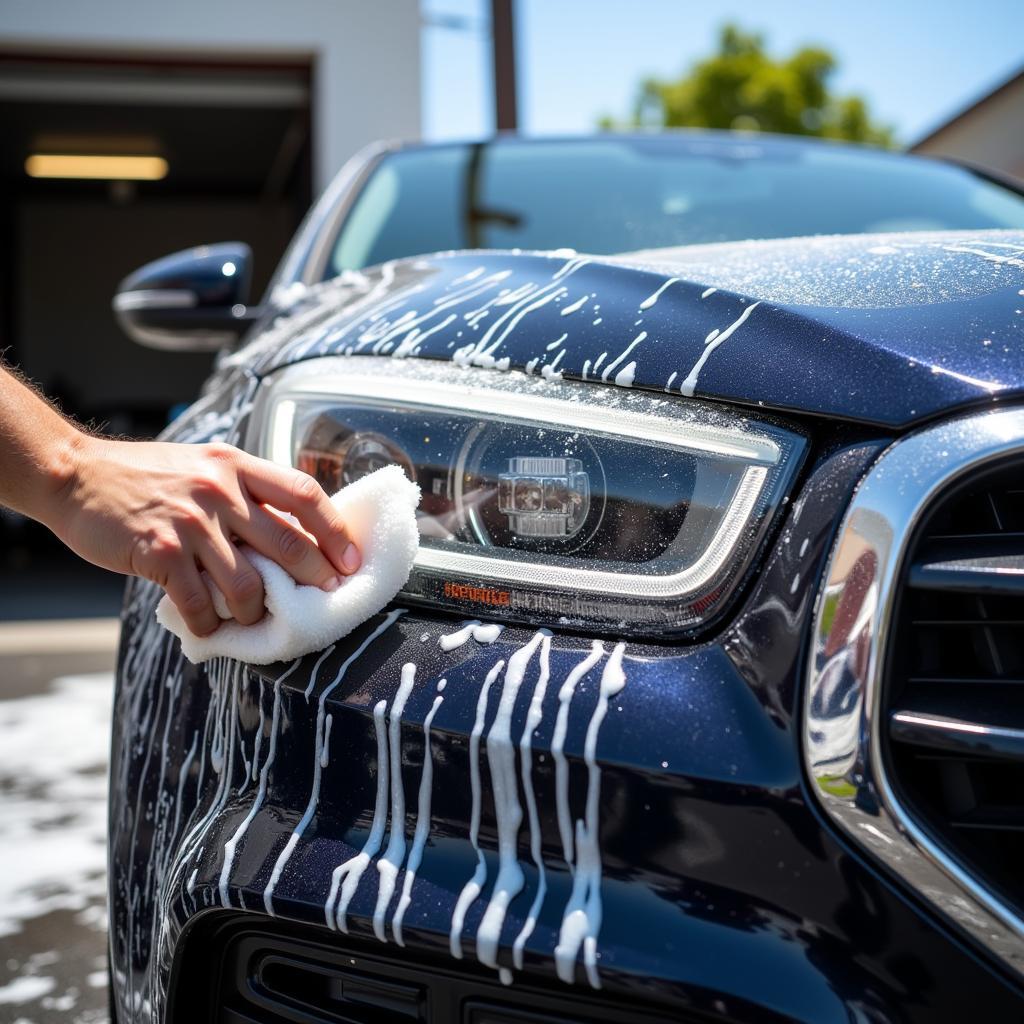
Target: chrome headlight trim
x,y
842,701
446,394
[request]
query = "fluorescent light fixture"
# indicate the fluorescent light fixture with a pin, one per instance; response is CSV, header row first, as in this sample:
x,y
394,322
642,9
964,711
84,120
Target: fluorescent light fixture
x,y
96,166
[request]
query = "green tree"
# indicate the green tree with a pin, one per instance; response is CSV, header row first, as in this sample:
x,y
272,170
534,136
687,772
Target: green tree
x,y
742,86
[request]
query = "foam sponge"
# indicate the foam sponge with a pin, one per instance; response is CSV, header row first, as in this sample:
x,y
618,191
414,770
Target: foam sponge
x,y
380,515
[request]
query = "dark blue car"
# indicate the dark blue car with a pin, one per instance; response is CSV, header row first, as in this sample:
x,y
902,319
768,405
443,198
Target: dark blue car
x,y
704,699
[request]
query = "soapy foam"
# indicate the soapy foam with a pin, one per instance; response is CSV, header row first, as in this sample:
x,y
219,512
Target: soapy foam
x,y
391,861
346,876
472,888
581,921
652,299
379,514
534,717
474,630
565,695
624,378
419,840
550,371
314,796
622,355
232,844
576,306
713,341
508,811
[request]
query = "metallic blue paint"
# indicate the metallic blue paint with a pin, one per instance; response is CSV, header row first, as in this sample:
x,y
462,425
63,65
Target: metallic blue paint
x,y
886,330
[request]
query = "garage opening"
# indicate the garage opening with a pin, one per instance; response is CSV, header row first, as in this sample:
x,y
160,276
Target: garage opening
x,y
217,151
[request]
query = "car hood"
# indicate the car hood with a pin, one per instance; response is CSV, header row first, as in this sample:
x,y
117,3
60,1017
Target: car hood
x,y
884,329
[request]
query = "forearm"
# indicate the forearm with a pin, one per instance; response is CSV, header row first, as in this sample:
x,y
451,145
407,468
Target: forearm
x,y
38,451
168,512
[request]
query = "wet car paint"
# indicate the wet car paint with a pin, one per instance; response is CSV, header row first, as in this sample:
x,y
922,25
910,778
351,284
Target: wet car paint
x,y
721,887
882,329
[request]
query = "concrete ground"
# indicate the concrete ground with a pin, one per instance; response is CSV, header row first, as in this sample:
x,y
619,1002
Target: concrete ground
x,y
55,695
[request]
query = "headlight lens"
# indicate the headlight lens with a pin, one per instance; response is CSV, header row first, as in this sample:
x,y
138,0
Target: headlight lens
x,y
543,501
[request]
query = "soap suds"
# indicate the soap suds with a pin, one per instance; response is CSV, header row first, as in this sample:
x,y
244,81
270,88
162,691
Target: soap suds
x,y
419,839
314,796
577,305
534,716
471,630
507,809
391,861
581,922
624,378
622,355
711,344
550,371
26,989
472,888
232,844
347,875
54,746
565,695
652,299
325,754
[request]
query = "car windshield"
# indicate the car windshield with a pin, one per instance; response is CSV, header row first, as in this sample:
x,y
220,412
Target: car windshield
x,y
613,195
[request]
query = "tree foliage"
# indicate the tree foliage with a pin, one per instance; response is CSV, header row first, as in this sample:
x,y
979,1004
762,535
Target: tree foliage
x,y
742,86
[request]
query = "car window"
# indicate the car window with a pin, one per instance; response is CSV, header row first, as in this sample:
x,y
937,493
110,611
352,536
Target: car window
x,y
615,195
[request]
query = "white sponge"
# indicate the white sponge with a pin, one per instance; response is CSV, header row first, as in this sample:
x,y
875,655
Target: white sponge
x,y
380,515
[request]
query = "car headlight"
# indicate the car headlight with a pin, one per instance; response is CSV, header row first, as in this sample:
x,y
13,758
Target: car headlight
x,y
543,501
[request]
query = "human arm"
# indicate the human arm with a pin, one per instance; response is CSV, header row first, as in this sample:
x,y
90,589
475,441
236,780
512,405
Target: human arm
x,y
167,511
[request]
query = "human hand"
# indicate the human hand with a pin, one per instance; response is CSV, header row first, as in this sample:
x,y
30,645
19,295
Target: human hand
x,y
166,511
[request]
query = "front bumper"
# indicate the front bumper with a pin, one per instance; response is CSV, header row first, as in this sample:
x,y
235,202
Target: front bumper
x,y
722,892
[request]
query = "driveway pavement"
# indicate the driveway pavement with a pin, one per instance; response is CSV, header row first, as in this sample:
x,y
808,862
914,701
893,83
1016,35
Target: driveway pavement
x,y
55,694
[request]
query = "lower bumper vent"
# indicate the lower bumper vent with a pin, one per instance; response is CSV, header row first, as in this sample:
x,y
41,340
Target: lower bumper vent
x,y
235,968
331,990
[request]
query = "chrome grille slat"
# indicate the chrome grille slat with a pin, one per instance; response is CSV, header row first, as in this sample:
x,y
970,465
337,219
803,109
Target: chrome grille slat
x,y
956,734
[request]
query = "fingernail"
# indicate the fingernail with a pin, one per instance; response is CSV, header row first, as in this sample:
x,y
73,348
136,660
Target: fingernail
x,y
350,559
332,584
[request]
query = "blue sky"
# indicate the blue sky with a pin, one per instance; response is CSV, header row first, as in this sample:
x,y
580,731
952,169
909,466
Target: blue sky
x,y
916,63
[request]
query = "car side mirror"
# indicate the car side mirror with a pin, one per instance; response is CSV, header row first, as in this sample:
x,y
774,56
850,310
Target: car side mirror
x,y
192,301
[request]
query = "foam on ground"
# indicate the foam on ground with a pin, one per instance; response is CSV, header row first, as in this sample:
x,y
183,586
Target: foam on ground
x,y
380,515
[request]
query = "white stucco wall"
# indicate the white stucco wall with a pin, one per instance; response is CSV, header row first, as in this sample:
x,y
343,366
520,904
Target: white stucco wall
x,y
366,52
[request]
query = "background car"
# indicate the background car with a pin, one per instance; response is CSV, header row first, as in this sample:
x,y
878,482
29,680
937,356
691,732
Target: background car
x,y
748,515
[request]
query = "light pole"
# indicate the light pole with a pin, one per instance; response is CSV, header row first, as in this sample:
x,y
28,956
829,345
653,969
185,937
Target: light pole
x,y
503,39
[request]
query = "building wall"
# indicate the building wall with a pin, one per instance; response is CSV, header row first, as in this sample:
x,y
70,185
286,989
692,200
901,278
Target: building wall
x,y
366,52
990,134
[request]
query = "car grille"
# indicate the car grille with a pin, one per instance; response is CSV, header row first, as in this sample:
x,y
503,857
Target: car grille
x,y
233,968
952,725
